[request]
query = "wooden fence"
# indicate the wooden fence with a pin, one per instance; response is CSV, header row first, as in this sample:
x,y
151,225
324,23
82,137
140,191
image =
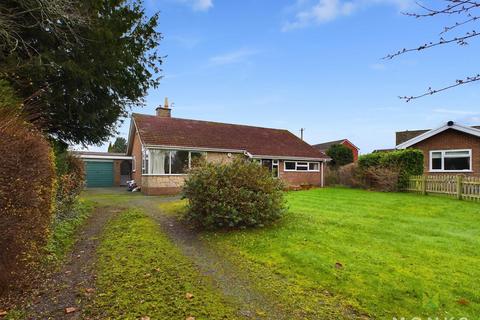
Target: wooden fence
x,y
458,186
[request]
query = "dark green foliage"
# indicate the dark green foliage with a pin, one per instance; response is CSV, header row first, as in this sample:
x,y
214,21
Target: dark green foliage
x,y
77,79
119,146
406,163
340,154
234,195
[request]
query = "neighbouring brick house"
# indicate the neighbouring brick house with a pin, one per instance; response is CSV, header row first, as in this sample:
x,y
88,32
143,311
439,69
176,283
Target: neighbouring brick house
x,y
323,147
163,148
451,148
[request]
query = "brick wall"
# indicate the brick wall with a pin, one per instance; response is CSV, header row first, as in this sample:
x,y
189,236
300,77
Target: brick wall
x,y
137,153
116,172
157,185
450,140
297,178
351,147
221,157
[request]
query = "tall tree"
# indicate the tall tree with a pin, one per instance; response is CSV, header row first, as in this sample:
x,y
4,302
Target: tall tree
x,y
78,78
120,145
466,14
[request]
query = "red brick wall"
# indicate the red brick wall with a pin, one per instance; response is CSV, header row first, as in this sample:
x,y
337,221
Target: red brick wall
x,y
351,147
450,140
297,178
137,153
116,172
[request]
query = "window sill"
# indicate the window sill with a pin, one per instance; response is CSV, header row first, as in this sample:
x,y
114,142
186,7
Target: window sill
x,y
311,171
450,171
164,175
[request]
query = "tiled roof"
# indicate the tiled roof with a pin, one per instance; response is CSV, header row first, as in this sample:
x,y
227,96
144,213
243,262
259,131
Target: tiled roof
x,y
326,145
402,136
176,132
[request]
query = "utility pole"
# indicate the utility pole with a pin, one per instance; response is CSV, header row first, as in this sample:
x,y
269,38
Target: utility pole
x,y
301,133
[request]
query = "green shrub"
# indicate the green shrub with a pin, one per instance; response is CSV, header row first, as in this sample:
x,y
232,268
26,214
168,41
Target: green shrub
x,y
403,163
235,195
27,188
71,179
340,154
62,236
370,160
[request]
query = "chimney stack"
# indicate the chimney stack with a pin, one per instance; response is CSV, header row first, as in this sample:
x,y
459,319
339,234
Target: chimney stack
x,y
165,111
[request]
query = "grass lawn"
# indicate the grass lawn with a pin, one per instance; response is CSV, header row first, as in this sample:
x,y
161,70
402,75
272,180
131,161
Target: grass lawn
x,y
63,232
142,274
375,254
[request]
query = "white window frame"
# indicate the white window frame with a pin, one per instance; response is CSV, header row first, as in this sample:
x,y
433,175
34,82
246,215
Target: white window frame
x,y
134,164
443,152
145,158
170,162
296,166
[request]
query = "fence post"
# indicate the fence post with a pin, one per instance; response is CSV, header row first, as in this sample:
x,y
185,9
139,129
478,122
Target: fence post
x,y
424,185
459,187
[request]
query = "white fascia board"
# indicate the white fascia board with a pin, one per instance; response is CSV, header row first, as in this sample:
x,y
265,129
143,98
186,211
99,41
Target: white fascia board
x,y
131,136
91,156
289,158
150,146
431,133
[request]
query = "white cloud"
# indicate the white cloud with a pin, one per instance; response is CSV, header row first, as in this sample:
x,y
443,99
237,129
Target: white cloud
x,y
202,5
232,57
323,11
378,66
198,5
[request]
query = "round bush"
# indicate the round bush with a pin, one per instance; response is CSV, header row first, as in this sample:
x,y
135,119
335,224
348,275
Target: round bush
x,y
239,194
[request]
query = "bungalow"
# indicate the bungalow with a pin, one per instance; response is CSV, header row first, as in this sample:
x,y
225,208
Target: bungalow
x,y
450,148
163,148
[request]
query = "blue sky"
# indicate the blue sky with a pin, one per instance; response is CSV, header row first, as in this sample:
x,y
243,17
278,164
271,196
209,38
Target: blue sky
x,y
314,64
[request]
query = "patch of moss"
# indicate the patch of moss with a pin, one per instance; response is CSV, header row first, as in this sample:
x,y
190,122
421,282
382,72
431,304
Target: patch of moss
x,y
141,273
174,208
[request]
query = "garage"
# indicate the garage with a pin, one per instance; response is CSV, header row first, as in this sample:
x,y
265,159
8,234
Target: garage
x,y
105,169
99,174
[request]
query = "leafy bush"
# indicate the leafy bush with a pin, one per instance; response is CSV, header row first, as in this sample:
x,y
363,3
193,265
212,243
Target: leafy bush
x,y
370,160
331,176
71,180
62,235
234,195
340,154
27,188
348,175
402,162
381,179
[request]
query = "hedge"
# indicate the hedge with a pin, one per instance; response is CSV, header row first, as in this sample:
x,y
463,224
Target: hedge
x,y
406,162
27,190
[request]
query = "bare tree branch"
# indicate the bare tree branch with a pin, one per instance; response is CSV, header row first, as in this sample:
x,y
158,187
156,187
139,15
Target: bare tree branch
x,y
431,91
469,15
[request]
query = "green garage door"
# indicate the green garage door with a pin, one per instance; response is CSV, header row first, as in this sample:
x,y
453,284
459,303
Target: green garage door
x,y
99,174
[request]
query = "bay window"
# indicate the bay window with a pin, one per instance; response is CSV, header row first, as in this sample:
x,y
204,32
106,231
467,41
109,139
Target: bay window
x,y
163,162
451,160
